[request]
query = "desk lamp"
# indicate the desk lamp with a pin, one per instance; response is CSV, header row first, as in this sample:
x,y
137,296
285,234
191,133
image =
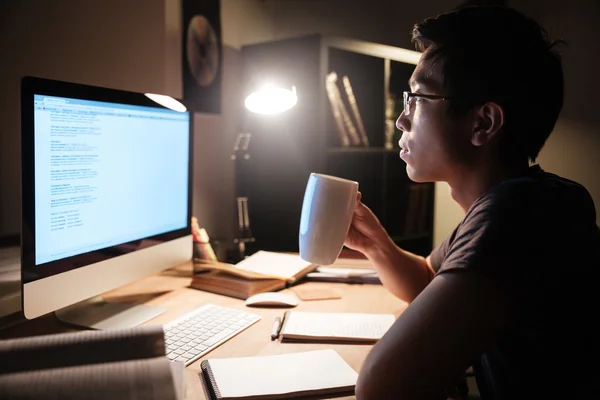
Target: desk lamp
x,y
167,101
269,100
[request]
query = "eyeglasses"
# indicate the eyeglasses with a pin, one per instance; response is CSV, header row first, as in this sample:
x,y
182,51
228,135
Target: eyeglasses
x,y
407,96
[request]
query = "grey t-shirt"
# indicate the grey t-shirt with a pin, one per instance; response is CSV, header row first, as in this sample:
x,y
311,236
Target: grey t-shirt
x,y
536,237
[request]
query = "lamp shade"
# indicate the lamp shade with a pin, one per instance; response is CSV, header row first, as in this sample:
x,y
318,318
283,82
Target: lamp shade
x,y
271,100
167,101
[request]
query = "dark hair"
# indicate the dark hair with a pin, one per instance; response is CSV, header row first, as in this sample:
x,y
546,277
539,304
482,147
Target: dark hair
x,y
494,53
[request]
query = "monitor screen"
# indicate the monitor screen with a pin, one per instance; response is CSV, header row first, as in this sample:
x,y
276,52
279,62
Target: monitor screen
x,y
106,174
89,155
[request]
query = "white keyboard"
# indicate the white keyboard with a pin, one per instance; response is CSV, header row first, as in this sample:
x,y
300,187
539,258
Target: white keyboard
x,y
196,333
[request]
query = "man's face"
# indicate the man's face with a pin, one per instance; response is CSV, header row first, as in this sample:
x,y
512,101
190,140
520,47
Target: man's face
x,y
434,144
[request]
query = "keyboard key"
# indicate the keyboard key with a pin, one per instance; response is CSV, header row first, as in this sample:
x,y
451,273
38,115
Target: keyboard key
x,y
196,333
218,337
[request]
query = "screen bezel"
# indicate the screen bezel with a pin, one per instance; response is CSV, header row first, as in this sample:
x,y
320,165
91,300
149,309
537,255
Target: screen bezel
x,y
31,86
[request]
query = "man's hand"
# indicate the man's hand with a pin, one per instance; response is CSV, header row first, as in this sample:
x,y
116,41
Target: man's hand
x,y
403,273
366,232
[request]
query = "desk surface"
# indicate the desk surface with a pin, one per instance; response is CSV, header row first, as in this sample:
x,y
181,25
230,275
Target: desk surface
x,y
170,290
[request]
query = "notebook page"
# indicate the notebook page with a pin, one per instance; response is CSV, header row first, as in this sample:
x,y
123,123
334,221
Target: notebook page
x,y
282,265
280,374
337,325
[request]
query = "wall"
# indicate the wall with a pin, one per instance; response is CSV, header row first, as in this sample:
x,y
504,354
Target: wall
x,y
242,22
113,43
574,147
132,45
246,22
380,21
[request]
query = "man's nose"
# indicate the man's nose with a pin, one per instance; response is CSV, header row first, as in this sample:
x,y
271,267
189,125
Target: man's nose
x,y
403,123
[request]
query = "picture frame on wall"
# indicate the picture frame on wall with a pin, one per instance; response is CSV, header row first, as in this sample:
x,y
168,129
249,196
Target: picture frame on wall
x,y
201,55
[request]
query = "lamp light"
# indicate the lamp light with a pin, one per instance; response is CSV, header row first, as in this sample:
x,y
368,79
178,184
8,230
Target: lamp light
x,y
271,100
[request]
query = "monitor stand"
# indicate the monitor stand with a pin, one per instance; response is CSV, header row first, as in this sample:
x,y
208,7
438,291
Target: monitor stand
x,y
95,313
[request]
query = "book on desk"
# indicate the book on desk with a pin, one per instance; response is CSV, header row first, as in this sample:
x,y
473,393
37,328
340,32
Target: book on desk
x,y
234,286
119,363
264,271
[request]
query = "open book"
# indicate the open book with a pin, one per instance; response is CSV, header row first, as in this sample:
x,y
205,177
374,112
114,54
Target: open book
x,y
284,376
234,286
263,271
334,327
119,363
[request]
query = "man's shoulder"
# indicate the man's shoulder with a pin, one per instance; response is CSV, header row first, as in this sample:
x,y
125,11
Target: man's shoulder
x,y
534,215
537,192
530,212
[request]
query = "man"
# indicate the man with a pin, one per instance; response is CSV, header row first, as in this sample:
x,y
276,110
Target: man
x,y
509,292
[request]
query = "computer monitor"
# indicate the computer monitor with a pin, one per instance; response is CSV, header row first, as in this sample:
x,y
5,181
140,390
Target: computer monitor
x,y
106,198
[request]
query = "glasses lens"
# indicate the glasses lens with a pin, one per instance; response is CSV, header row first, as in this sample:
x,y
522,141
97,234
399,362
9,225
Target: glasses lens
x,y
406,105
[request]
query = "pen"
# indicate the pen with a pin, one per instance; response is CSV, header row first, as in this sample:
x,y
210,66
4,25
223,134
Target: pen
x,y
275,329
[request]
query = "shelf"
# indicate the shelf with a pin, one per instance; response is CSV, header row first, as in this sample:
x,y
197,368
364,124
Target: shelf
x,y
308,138
420,244
362,71
404,238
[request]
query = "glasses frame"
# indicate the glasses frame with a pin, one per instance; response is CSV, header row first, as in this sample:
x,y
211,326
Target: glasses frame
x,y
406,96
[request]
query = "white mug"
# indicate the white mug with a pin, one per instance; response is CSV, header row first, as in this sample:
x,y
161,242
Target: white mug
x,y
327,212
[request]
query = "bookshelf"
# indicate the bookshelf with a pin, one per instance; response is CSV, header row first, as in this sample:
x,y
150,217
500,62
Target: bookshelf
x,y
286,148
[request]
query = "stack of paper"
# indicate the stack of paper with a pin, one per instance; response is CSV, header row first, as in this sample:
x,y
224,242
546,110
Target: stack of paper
x,y
345,274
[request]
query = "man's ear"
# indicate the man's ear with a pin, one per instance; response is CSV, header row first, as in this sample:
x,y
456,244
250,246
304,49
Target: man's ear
x,y
489,119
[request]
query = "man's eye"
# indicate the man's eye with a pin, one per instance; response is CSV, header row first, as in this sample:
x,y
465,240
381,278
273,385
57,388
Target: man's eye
x,y
418,98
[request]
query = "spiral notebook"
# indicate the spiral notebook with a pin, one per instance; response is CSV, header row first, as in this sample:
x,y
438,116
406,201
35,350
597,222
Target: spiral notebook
x,y
284,376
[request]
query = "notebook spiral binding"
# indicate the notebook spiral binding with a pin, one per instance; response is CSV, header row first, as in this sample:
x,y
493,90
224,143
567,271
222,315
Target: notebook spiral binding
x,y
210,390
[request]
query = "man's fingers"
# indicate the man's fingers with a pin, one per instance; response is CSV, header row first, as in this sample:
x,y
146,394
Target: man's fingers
x,y
361,210
358,203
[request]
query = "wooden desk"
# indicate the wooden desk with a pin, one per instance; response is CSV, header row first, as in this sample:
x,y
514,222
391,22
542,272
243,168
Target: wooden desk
x,y
169,289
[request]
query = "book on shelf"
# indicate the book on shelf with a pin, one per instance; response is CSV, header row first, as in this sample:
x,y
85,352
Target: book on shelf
x,y
119,363
417,210
263,271
423,215
344,122
335,111
411,209
302,326
309,374
355,111
348,122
